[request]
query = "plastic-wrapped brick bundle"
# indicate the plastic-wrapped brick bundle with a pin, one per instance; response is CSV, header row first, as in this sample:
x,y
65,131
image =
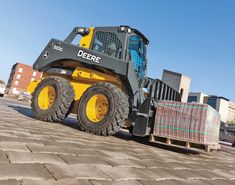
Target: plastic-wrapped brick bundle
x,y
192,122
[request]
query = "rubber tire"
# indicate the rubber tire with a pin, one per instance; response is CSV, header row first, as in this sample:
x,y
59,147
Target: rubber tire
x,y
233,143
117,113
130,129
62,104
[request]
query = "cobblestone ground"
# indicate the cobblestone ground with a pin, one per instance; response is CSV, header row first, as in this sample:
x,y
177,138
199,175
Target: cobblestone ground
x,y
39,153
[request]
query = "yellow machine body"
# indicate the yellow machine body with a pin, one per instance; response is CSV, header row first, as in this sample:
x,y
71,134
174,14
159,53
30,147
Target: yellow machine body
x,y
81,79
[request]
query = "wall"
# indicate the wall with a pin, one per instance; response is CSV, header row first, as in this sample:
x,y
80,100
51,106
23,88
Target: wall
x,y
200,96
185,85
231,112
222,107
177,81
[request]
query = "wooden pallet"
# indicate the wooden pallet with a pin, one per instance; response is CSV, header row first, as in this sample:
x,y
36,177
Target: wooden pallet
x,y
184,144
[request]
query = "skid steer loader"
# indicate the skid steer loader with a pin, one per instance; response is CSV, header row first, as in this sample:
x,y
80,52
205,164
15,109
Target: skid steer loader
x,y
102,80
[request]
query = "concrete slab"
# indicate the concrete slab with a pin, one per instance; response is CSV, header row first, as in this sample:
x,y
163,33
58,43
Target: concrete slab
x,y
162,182
9,182
25,157
13,146
89,160
186,174
119,173
225,174
89,152
53,182
3,157
189,182
23,171
160,164
220,182
194,182
51,149
126,182
7,133
77,171
119,155
163,174
116,162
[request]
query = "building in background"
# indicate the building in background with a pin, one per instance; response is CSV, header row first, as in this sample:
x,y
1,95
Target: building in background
x,y
179,82
231,112
20,77
220,104
196,97
225,107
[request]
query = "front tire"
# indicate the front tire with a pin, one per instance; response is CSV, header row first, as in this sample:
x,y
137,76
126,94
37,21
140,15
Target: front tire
x,y
52,99
233,143
102,109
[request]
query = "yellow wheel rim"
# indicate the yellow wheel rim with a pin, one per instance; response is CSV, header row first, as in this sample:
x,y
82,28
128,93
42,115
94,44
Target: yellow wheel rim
x,y
46,97
97,108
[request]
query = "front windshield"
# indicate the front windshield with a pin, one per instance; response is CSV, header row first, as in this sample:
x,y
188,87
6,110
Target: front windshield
x,y
107,43
136,54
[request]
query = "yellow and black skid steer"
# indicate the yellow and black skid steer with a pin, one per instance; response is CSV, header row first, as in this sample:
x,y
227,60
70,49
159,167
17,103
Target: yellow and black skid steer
x,y
102,79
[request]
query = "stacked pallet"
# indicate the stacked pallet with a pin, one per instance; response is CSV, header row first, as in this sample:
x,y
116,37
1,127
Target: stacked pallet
x,y
191,122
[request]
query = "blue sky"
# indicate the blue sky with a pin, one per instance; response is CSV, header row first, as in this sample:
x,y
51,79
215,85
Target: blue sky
x,y
194,37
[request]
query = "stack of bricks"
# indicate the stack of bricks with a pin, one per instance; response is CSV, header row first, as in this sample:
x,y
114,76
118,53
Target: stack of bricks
x,y
191,122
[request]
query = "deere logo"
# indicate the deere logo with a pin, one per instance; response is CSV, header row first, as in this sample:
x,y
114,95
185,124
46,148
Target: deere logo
x,y
45,54
88,56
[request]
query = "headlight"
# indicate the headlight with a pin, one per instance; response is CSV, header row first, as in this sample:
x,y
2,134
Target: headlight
x,y
122,28
82,31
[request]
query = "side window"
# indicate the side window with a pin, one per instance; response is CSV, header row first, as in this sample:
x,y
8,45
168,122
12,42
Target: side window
x,y
107,43
136,44
136,54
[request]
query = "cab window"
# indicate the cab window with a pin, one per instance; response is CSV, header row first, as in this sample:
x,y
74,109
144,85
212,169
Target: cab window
x,y
136,54
107,43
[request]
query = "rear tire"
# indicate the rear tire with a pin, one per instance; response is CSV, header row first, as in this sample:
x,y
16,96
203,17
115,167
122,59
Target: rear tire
x,y
57,110
112,119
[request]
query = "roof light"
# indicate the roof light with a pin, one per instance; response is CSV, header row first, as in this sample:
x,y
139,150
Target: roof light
x,y
122,28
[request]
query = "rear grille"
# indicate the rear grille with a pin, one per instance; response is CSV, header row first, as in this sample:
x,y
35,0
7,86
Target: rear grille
x,y
165,92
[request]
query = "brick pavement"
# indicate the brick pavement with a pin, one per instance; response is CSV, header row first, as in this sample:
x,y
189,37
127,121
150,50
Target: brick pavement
x,y
39,153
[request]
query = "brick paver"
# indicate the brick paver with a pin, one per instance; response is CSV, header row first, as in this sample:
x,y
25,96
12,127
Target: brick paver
x,y
23,171
13,146
24,157
39,153
9,182
53,182
76,171
125,182
3,157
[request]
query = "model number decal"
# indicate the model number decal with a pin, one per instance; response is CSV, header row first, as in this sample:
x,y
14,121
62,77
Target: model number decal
x,y
58,48
88,56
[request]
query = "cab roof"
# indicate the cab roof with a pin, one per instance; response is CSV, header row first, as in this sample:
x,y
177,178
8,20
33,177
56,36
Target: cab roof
x,y
137,32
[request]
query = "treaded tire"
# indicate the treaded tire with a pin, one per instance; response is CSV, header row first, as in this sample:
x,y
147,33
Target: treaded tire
x,y
117,113
233,143
61,107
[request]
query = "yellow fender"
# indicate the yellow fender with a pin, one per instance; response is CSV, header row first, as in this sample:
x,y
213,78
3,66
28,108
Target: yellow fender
x,y
31,87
